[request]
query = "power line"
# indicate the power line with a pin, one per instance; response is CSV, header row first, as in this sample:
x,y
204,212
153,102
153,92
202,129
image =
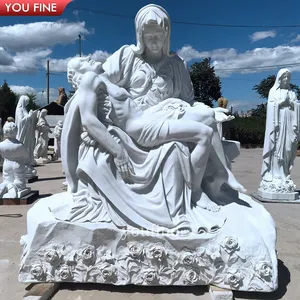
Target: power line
x,y
102,12
259,67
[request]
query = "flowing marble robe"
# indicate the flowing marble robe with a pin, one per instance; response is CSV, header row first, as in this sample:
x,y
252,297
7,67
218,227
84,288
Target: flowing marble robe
x,y
43,129
282,132
26,128
162,174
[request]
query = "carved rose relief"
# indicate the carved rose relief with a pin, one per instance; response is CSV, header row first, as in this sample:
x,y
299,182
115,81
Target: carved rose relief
x,y
145,263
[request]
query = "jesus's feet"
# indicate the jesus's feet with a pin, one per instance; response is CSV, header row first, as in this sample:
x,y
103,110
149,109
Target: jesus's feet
x,y
207,204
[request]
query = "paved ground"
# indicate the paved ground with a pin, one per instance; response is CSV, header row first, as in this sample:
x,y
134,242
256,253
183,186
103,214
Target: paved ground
x,y
246,168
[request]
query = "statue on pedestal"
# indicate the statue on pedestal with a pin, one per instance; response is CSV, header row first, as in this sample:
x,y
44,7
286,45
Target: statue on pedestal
x,y
43,130
150,200
281,140
62,97
15,155
26,123
57,139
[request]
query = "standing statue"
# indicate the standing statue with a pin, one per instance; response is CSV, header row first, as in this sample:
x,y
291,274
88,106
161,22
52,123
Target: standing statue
x,y
26,123
281,139
43,130
62,97
57,139
15,155
150,198
223,102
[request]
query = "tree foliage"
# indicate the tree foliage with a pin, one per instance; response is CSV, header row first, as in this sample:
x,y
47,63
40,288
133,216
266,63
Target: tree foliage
x,y
207,86
32,102
260,111
263,88
8,102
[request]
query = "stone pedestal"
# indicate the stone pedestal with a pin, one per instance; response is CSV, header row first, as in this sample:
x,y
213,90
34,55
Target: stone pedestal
x,y
278,197
56,251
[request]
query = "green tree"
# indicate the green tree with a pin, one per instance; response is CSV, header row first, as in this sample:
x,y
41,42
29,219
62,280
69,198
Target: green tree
x,y
32,102
8,102
263,88
260,111
207,86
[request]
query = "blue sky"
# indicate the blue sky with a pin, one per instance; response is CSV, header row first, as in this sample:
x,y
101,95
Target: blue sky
x,y
27,42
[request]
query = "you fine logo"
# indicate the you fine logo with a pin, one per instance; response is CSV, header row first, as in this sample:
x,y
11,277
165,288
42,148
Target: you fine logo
x,y
32,7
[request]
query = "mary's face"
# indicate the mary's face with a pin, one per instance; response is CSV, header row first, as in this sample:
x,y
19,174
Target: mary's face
x,y
154,38
285,80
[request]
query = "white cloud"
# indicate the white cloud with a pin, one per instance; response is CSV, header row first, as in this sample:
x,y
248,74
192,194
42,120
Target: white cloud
x,y
21,90
26,62
260,35
5,58
41,95
243,105
228,61
296,39
100,55
188,53
23,37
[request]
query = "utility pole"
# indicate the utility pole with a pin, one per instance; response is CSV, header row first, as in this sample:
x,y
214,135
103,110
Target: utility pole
x,y
47,81
79,44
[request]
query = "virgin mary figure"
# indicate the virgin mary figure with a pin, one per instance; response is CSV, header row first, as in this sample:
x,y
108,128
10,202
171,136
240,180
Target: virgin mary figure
x,y
281,136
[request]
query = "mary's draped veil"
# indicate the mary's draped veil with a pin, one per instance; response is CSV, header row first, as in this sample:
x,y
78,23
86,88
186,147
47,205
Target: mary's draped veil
x,y
157,14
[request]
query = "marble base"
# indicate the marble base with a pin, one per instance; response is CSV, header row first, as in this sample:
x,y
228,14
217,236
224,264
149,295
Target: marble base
x,y
268,200
25,200
42,161
24,192
278,196
58,251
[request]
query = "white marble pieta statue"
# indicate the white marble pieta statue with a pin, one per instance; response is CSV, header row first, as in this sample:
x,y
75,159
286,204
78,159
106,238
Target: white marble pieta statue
x,y
15,155
42,140
281,140
26,122
150,197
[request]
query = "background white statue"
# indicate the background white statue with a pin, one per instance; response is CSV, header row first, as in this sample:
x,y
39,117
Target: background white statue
x,y
57,138
15,155
43,130
281,136
26,122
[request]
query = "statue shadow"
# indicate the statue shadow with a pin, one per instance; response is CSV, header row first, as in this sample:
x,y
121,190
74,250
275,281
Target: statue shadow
x,y
137,290
228,196
284,278
41,196
52,178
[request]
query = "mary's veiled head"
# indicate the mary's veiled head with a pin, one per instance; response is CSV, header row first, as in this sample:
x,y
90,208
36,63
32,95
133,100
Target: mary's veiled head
x,y
282,79
151,15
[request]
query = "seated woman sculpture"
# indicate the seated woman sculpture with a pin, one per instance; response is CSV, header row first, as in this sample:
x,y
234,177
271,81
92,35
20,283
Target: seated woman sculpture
x,y
281,137
148,94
